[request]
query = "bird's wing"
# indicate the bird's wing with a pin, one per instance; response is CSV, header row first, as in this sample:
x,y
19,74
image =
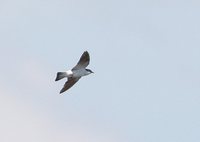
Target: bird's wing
x,y
83,61
69,84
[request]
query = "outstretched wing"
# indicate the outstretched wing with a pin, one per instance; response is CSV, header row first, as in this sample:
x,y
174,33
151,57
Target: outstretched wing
x,y
69,84
83,61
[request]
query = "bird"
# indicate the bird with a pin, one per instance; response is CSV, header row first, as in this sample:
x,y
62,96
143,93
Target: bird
x,y
76,72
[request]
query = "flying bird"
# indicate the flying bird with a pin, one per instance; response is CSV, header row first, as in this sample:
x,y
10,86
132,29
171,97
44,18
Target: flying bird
x,y
75,73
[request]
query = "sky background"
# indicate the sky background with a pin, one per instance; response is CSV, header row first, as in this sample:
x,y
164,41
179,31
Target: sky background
x,y
145,55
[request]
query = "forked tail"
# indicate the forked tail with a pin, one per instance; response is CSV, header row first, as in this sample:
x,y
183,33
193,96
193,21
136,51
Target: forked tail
x,y
60,75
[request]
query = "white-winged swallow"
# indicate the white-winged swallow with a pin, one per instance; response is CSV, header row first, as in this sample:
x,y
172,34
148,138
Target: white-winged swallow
x,y
75,73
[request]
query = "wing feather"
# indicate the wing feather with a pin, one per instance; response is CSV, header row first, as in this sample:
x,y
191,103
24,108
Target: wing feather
x,y
69,84
83,61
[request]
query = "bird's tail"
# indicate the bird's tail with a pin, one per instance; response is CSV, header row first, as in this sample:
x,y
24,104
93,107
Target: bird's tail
x,y
60,75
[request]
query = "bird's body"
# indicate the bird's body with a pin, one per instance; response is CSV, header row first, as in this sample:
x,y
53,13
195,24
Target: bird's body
x,y
80,73
76,73
69,73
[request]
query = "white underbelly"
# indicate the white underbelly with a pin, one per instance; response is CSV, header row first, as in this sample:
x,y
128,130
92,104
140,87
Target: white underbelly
x,y
79,73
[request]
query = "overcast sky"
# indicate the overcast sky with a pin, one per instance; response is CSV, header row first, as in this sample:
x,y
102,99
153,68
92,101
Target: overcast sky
x,y
146,59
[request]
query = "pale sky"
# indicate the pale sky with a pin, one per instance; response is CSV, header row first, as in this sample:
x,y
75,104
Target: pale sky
x,y
145,55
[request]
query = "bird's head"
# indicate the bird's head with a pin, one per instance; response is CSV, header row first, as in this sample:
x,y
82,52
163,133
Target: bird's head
x,y
89,71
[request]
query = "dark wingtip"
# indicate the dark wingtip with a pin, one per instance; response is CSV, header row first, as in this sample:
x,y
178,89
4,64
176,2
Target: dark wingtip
x,y
86,52
61,91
